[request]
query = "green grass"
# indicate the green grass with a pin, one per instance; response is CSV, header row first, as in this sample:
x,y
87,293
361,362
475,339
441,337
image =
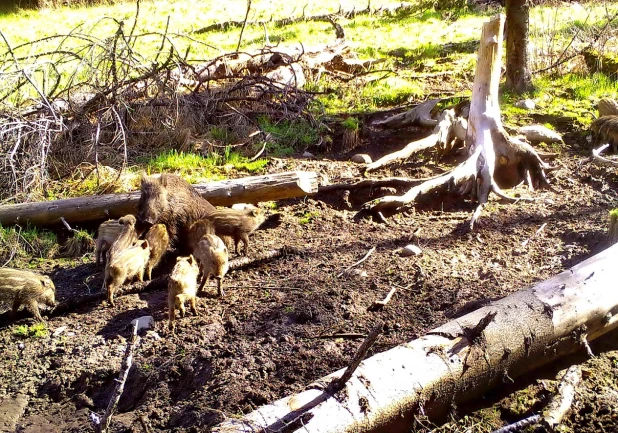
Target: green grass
x,y
307,217
197,168
19,245
288,136
38,330
412,43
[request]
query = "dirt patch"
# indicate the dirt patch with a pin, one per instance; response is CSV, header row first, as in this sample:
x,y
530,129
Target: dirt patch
x,y
261,341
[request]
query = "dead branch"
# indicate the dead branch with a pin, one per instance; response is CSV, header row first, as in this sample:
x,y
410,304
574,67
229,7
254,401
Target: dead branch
x,y
380,304
561,403
519,425
441,136
105,422
612,230
337,383
244,24
601,160
419,115
540,229
357,263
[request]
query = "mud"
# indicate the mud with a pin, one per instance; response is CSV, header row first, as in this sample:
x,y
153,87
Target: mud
x,y
260,341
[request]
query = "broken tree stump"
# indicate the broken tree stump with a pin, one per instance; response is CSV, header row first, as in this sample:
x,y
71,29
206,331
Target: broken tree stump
x,y
495,160
457,361
252,189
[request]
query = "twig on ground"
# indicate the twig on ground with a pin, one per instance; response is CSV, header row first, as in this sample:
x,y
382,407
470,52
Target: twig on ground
x,y
357,263
596,156
524,243
561,402
102,425
519,425
379,304
66,224
338,383
350,335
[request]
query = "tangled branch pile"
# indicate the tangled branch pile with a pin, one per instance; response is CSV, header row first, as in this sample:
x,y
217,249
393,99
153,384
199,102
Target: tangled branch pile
x,y
101,102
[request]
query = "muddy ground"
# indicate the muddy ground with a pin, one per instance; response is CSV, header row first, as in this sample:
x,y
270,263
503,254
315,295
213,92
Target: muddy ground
x,y
272,333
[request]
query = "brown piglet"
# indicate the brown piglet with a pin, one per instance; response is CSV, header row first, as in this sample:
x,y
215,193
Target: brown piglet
x,y
20,287
211,253
125,266
158,239
108,232
182,287
237,224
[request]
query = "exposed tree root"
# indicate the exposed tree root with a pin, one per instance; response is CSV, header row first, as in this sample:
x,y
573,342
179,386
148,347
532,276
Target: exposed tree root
x,y
419,115
441,136
496,160
601,160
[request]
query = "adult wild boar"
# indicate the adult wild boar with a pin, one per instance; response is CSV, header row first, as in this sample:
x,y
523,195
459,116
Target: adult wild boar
x,y
168,199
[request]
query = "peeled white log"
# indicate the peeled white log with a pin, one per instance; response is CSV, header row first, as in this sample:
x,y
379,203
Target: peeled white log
x,y
458,361
251,189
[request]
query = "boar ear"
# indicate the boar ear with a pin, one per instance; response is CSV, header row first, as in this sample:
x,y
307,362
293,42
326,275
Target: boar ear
x,y
144,177
191,259
163,180
145,245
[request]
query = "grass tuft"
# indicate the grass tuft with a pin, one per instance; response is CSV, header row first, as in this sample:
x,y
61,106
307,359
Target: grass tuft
x,y
38,330
197,168
19,245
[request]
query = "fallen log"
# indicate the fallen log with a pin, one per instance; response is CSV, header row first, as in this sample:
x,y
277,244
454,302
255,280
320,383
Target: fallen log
x,y
457,361
252,189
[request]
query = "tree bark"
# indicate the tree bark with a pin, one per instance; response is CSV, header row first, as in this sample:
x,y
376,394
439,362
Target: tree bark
x,y
223,193
456,362
518,78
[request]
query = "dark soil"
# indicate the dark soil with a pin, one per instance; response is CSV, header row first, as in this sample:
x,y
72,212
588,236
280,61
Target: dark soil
x,y
262,340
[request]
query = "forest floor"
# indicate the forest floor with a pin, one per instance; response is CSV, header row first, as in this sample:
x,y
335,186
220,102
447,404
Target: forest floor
x,y
275,330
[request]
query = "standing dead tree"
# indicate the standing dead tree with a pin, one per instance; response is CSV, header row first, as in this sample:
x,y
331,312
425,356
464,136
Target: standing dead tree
x,y
495,160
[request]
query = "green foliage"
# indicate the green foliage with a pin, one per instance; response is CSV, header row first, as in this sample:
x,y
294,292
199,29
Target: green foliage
x,y
288,136
195,168
307,217
38,330
613,213
18,244
351,123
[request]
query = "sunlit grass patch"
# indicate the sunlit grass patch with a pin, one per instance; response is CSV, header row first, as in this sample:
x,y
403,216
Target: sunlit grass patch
x,y
18,244
197,168
38,330
288,136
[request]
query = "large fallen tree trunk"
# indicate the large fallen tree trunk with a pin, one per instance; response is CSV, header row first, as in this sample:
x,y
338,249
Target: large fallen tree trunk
x,y
457,361
495,159
245,190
